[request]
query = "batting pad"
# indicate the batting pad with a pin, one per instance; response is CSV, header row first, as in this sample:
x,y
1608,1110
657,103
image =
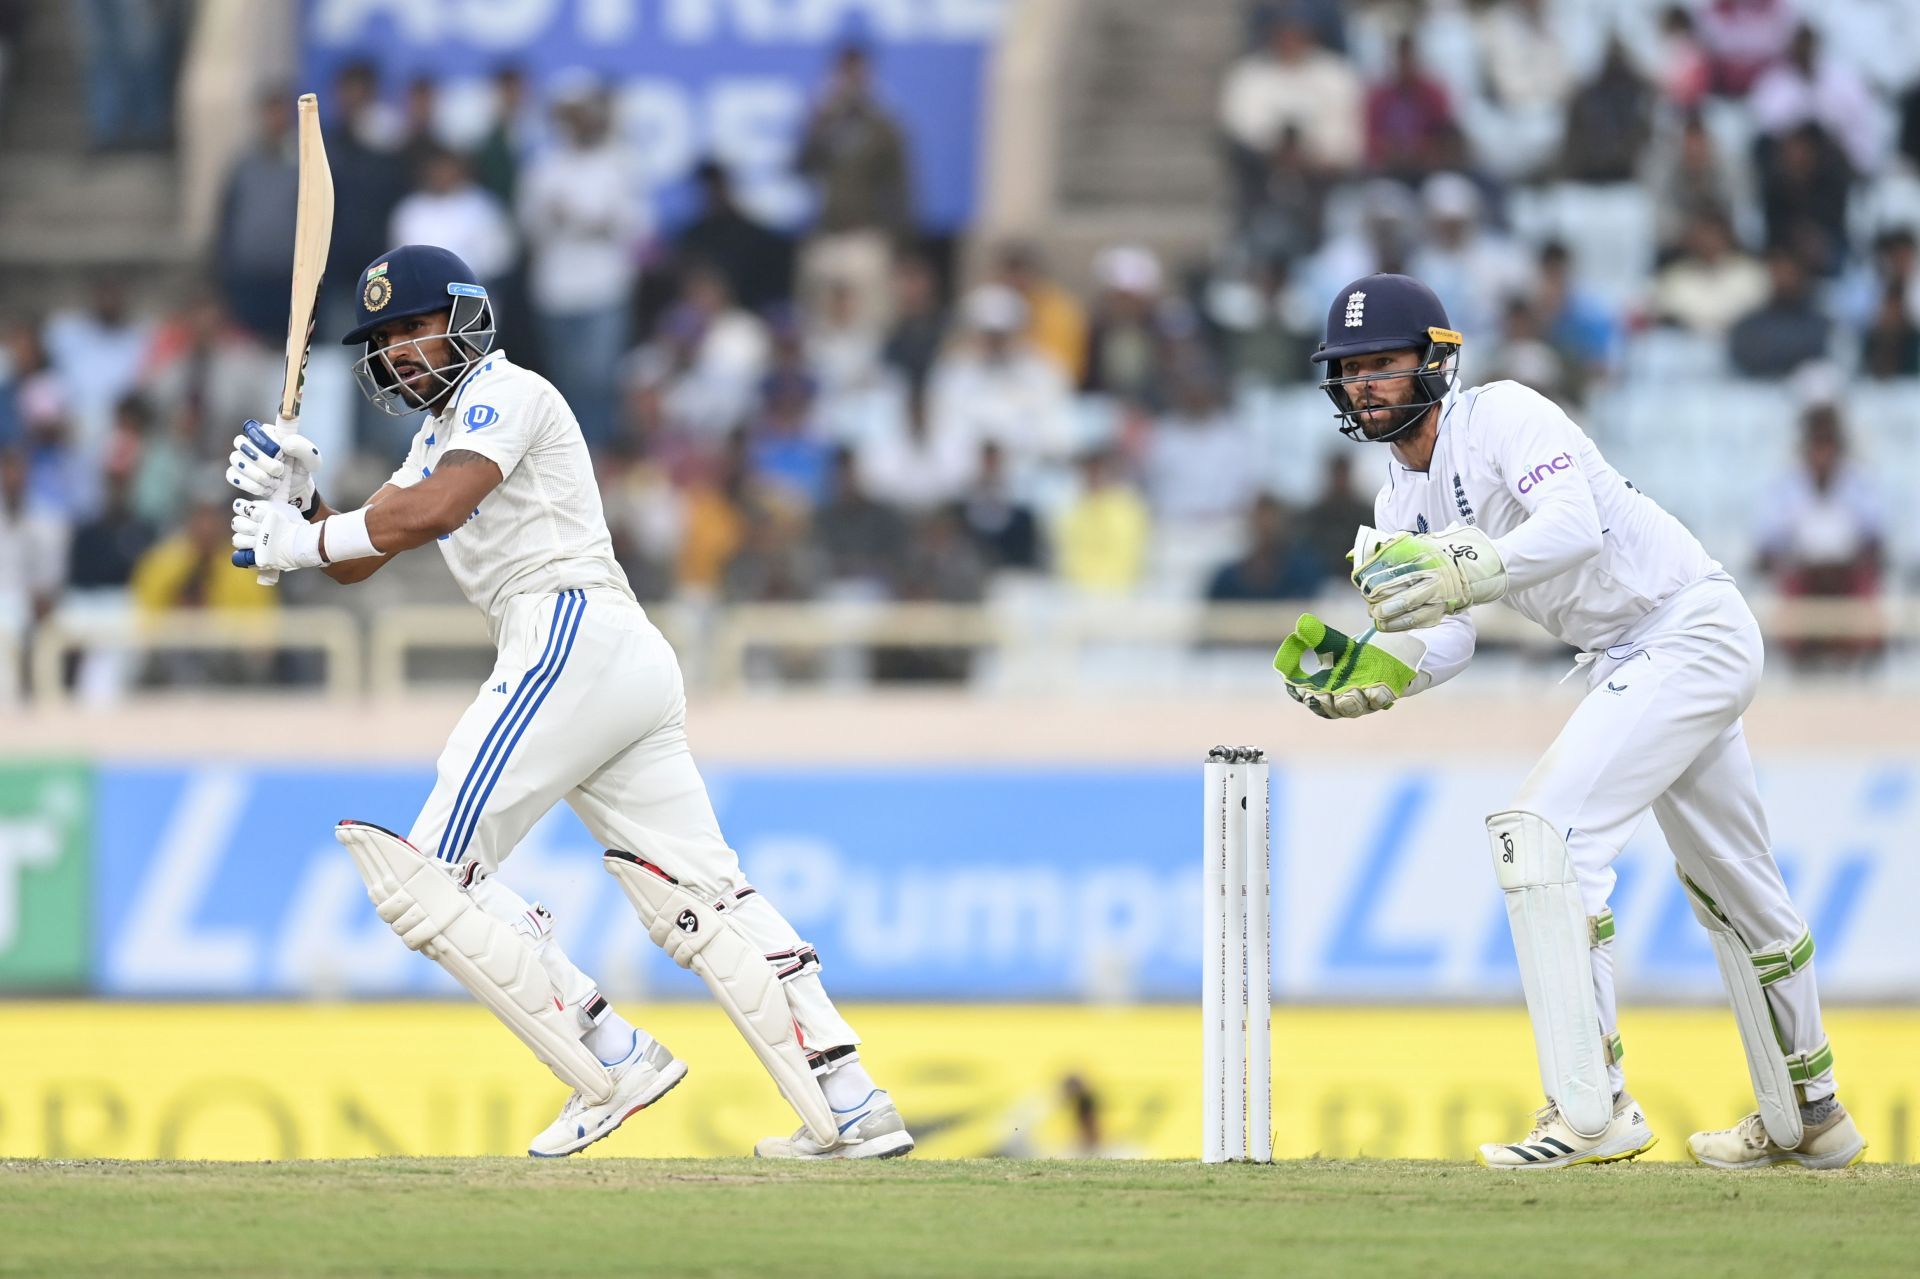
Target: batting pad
x,y
698,935
1747,973
498,966
1553,940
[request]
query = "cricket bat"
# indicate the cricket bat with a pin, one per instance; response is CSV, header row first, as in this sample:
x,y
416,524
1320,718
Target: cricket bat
x,y
312,230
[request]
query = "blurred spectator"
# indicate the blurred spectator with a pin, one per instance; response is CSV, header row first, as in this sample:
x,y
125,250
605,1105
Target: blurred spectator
x,y
1580,326
779,560
193,569
1890,348
448,208
418,133
128,46
1474,268
1002,528
1804,181
1821,532
1681,70
785,453
1743,38
941,565
97,353
919,326
1410,128
253,248
581,212
1608,123
169,466
106,548
997,388
1526,355
1056,322
1265,334
33,556
1788,330
1382,238
1690,179
1711,284
368,180
864,539
203,366
906,462
509,139
841,351
1327,527
1102,537
1287,216
1529,79
757,260
1910,125
1197,462
29,387
856,155
1810,86
646,517
1291,81
1276,565
718,503
1125,355
1890,267
708,359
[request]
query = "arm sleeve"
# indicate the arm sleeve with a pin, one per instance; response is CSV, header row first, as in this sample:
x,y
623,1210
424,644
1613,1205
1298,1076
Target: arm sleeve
x,y
1536,451
500,423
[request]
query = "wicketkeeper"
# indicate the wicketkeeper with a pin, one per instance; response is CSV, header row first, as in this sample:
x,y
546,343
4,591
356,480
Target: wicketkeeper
x,y
1493,494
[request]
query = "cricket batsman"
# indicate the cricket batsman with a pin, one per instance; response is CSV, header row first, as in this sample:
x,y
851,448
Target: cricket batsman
x,y
1492,493
584,704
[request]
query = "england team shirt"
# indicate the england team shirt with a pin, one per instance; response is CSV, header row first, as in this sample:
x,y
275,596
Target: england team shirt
x,y
1587,554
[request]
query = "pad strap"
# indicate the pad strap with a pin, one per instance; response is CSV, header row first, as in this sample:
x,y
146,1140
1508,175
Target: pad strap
x,y
1600,928
1783,961
1804,1068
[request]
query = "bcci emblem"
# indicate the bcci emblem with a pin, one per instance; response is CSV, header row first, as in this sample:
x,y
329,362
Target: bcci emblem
x,y
377,294
1356,308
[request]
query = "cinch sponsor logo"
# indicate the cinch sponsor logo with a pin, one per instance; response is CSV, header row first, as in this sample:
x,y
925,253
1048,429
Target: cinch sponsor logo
x,y
1544,471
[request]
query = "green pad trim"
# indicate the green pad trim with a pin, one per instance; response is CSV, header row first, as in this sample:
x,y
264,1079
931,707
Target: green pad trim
x,y
1804,1068
1617,1050
1600,928
1778,965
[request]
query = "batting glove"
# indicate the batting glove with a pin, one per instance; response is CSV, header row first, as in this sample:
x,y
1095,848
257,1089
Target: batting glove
x,y
263,460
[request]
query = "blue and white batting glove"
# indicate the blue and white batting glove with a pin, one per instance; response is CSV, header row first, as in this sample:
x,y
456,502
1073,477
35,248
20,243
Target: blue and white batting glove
x,y
274,535
262,460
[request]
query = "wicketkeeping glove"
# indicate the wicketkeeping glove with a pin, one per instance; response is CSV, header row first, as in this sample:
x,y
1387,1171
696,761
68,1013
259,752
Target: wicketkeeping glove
x,y
1412,580
262,460
1356,676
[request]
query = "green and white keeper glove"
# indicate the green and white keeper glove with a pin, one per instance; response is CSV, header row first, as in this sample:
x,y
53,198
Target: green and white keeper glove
x,y
1412,580
1356,676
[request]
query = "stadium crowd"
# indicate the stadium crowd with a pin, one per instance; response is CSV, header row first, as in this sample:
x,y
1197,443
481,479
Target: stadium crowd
x,y
782,416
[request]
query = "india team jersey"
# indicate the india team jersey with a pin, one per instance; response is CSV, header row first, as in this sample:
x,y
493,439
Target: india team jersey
x,y
542,529
1587,554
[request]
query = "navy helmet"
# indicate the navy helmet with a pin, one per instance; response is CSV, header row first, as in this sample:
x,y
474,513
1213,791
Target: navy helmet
x,y
413,280
1389,313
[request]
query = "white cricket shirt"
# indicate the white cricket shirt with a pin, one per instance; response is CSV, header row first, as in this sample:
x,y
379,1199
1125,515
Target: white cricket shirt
x,y
1587,554
542,529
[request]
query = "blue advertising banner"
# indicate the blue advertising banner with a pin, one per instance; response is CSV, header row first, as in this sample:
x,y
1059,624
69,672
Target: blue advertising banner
x,y
985,883
734,79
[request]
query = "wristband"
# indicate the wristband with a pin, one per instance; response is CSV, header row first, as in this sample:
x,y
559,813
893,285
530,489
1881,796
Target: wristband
x,y
345,537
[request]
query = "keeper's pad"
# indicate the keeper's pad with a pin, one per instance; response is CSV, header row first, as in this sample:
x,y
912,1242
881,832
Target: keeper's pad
x,y
1778,1078
1553,938
498,965
698,934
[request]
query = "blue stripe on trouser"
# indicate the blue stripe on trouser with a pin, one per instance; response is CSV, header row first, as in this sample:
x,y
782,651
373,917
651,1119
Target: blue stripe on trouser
x,y
485,757
551,677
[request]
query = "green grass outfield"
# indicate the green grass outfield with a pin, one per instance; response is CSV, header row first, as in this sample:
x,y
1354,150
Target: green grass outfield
x,y
676,1218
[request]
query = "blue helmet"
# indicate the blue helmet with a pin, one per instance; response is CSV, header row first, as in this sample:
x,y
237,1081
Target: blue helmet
x,y
413,280
1389,313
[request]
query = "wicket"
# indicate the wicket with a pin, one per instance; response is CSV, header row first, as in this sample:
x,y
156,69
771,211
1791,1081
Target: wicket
x,y
1237,984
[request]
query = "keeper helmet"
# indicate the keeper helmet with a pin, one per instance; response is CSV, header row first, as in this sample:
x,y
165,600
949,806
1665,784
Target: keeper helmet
x,y
1389,313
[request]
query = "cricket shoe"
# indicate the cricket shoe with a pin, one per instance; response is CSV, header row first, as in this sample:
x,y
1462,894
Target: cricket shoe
x,y
1830,1141
643,1077
871,1130
1552,1144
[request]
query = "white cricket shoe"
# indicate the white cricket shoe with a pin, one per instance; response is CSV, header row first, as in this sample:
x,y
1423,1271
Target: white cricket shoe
x,y
643,1078
1831,1141
1552,1144
871,1130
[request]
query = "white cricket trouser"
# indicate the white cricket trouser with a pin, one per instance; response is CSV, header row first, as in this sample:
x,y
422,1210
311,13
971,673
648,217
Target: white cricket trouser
x,y
585,703
1660,729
